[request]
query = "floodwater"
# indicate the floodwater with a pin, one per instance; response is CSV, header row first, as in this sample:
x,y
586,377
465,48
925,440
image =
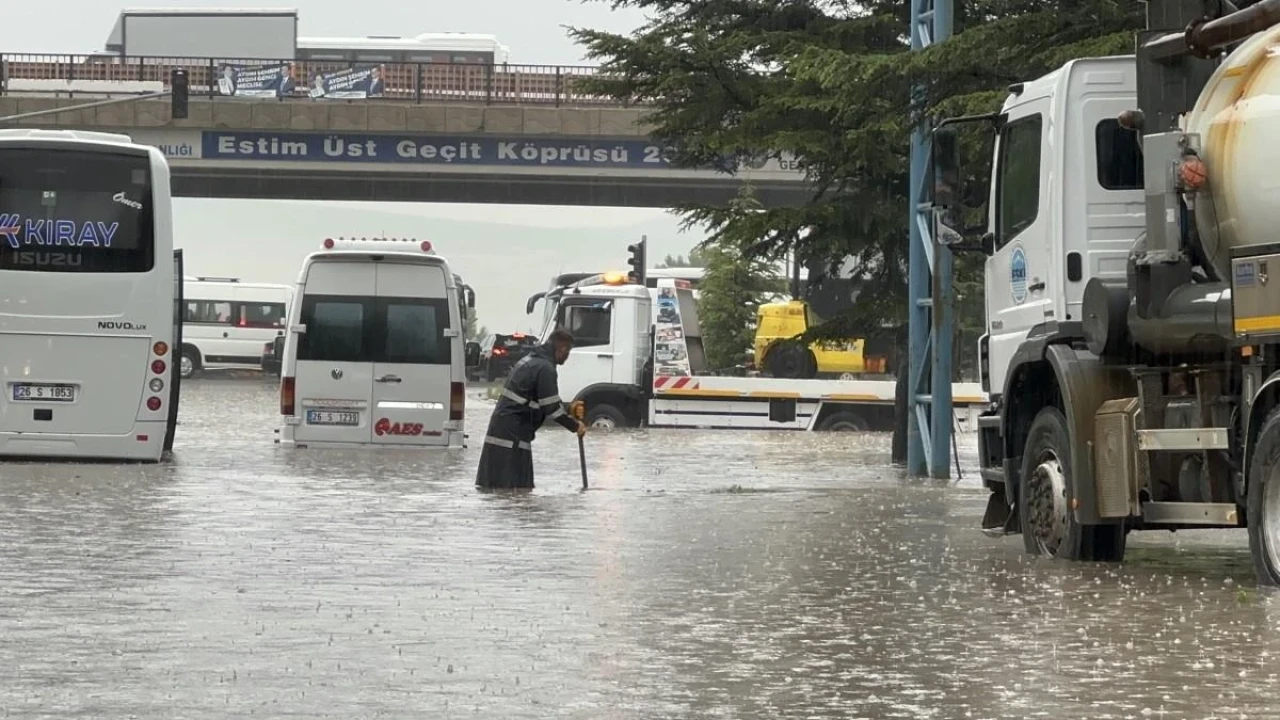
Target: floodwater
x,y
703,575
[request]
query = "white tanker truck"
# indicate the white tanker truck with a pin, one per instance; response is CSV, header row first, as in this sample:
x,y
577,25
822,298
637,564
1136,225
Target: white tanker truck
x,y
1133,342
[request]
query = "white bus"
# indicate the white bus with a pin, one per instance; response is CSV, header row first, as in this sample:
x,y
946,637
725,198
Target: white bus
x,y
436,48
90,292
227,323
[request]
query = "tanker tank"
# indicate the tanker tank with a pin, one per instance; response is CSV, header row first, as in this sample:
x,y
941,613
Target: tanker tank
x,y
1237,117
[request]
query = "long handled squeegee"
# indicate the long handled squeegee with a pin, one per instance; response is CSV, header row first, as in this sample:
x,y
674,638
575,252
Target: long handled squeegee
x,y
579,410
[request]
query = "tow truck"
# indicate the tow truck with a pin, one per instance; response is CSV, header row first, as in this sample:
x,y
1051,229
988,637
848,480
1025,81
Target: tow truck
x,y
631,370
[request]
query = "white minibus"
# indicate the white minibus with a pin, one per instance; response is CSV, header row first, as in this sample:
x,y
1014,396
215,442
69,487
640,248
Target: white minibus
x,y
89,298
374,348
227,322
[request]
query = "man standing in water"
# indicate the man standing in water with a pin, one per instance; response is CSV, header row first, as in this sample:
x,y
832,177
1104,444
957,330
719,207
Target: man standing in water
x,y
531,395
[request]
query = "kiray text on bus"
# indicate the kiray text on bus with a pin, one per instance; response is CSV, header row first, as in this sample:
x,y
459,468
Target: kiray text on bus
x,y
69,233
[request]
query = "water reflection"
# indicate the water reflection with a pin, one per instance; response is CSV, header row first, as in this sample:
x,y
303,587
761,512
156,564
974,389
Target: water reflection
x,y
728,574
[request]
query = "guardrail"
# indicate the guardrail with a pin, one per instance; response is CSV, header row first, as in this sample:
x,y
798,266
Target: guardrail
x,y
557,85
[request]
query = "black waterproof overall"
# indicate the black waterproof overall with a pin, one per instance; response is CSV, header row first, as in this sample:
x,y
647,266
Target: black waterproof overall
x,y
530,397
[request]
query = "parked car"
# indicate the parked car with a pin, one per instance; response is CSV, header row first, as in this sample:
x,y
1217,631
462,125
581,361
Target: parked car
x,y
498,353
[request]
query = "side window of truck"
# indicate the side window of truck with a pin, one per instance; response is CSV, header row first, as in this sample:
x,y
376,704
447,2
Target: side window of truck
x,y
1018,181
1119,156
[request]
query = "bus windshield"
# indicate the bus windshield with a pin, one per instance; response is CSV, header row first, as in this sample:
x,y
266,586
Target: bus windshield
x,y
76,211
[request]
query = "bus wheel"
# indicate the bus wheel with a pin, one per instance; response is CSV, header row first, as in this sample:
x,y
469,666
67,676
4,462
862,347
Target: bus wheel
x,y
1263,504
843,421
605,416
189,363
1049,526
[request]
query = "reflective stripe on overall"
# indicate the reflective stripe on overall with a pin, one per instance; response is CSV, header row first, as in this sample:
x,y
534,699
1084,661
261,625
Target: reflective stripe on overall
x,y
543,402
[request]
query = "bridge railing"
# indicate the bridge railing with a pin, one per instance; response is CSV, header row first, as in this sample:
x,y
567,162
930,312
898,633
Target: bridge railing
x,y
558,85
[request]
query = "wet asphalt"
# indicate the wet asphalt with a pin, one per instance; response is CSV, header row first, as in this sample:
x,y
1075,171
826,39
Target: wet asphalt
x,y
714,574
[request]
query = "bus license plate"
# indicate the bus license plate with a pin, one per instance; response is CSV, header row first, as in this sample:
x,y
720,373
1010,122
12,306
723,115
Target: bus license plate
x,y
330,417
37,392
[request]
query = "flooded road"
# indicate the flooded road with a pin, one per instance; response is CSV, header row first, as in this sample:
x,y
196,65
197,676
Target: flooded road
x,y
704,575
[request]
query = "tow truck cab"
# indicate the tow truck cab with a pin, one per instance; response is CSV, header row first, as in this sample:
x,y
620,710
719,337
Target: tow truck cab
x,y
609,367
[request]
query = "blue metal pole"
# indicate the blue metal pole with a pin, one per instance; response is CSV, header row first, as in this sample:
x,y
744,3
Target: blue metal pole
x,y
918,293
943,327
943,313
918,290
929,286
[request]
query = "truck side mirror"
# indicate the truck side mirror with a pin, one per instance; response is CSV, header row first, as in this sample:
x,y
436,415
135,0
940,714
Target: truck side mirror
x,y
471,298
472,354
974,194
946,168
528,306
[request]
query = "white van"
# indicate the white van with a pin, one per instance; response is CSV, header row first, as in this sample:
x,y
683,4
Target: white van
x,y
374,349
226,323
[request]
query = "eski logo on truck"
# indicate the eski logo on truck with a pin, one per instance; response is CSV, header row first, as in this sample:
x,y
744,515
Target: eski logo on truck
x,y
1018,275
114,325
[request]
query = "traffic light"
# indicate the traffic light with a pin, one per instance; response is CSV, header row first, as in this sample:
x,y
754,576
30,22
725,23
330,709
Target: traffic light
x,y
637,262
178,102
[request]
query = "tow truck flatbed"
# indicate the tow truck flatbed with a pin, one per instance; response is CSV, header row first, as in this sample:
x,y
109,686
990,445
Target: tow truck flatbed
x,y
634,365
781,403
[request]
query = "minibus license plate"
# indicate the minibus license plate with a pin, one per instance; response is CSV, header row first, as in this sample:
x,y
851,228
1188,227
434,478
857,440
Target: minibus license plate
x,y
36,392
329,417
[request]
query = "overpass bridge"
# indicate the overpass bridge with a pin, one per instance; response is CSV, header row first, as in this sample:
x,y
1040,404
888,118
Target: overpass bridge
x,y
447,133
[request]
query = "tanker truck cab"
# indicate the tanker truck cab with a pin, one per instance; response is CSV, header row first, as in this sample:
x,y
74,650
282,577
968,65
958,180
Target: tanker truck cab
x,y
1065,204
1132,351
374,351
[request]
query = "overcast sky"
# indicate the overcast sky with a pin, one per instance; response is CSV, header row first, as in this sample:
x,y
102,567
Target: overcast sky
x,y
483,242
531,28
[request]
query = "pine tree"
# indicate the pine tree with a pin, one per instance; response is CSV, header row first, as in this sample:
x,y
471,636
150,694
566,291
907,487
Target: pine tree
x,y
829,82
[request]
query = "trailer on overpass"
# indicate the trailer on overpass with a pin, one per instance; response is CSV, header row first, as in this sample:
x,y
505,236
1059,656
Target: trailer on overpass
x,y
213,33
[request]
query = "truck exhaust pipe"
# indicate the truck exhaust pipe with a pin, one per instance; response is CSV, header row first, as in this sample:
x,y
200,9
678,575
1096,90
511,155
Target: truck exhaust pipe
x,y
1203,38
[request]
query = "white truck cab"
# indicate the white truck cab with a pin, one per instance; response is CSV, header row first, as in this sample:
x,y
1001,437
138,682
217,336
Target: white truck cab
x,y
1066,201
374,351
610,327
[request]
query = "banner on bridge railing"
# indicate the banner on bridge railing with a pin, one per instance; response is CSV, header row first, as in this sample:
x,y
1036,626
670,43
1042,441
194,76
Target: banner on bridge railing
x,y
352,84
274,80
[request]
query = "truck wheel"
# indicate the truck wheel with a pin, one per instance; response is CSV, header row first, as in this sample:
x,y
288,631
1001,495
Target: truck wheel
x,y
189,363
1262,508
843,421
790,359
1048,525
605,416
